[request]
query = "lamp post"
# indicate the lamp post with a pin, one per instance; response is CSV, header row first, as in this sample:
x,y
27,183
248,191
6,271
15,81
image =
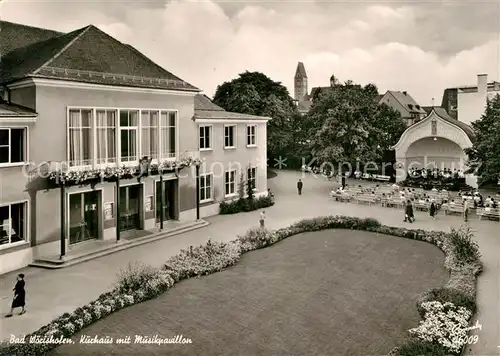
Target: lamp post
x,y
197,191
117,209
63,220
162,200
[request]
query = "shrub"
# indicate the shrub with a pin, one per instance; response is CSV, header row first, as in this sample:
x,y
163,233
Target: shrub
x,y
202,260
254,239
464,282
448,295
244,205
135,276
465,251
421,348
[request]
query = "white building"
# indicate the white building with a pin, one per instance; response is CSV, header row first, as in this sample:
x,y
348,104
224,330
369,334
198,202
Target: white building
x,y
471,101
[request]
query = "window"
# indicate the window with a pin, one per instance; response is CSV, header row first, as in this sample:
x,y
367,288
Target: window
x,y
150,134
128,135
168,142
229,182
252,177
251,135
205,137
229,139
106,136
12,220
12,145
206,187
80,137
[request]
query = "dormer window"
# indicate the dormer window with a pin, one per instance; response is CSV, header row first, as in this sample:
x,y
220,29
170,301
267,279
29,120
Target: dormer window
x,y
410,106
418,107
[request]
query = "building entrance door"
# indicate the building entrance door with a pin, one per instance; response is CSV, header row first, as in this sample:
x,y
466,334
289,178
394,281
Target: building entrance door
x,y
129,207
83,216
169,204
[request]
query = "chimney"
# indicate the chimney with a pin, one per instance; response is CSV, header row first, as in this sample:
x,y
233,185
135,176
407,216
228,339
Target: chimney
x,y
482,83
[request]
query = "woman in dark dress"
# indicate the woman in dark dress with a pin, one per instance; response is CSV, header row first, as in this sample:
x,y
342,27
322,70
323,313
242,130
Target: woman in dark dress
x,y
432,209
409,212
19,296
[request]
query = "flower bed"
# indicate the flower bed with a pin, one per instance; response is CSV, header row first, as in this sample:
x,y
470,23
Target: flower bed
x,y
446,312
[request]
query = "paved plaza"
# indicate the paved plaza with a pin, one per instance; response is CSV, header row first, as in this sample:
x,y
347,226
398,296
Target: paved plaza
x,y
50,293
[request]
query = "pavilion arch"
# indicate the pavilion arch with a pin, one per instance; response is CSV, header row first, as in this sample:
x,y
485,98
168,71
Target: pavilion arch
x,y
437,140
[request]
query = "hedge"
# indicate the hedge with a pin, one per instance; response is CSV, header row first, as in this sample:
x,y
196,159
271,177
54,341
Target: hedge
x,y
138,282
245,205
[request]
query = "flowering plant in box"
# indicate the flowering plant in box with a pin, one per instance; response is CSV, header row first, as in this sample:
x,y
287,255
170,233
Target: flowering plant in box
x,y
61,176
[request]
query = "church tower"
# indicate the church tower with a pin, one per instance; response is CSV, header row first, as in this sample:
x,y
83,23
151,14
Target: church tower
x,y
300,84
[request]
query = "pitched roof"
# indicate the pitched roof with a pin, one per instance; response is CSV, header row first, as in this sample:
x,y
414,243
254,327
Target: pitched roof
x,y
24,61
14,36
203,102
300,72
88,55
318,90
441,112
226,115
204,108
12,110
407,101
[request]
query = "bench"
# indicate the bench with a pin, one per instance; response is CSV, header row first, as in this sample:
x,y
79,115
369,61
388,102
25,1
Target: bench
x,y
422,206
342,197
453,209
381,178
490,213
394,202
365,199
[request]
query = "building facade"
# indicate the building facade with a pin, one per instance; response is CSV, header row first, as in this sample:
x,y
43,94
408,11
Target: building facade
x,y
467,103
403,102
100,143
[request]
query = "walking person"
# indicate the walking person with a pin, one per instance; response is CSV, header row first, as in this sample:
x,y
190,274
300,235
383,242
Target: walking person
x,y
19,296
262,219
409,212
343,180
466,210
299,187
433,209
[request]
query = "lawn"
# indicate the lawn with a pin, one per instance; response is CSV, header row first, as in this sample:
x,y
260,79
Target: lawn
x,y
333,292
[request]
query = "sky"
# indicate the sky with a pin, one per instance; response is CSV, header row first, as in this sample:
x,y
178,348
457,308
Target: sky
x,y
421,47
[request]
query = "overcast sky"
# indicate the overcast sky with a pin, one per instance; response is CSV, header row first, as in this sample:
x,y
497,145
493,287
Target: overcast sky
x,y
418,46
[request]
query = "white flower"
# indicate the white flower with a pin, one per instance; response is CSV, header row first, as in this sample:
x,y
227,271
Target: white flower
x,y
445,324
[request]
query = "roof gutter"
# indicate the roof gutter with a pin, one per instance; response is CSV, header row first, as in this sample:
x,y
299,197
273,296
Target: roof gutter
x,y
9,99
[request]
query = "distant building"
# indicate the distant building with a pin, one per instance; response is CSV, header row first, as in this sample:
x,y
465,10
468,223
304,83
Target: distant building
x,y
467,103
301,93
410,111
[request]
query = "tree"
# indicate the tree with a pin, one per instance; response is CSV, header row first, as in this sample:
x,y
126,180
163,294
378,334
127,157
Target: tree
x,y
255,93
348,125
484,155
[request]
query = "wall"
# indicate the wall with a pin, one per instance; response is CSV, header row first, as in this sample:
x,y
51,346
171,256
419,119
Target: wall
x,y
218,160
470,106
48,142
441,154
391,101
52,106
24,96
